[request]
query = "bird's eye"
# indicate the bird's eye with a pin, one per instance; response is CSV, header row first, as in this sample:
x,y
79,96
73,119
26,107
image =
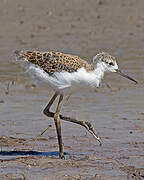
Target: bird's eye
x,y
111,64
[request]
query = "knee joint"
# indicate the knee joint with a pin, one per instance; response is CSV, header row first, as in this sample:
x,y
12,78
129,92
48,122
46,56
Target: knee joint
x,y
56,116
45,112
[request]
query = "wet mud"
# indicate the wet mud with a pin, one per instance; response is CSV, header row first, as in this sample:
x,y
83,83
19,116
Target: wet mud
x,y
116,109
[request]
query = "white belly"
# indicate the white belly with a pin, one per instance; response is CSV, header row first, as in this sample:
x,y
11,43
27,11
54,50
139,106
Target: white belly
x,y
63,82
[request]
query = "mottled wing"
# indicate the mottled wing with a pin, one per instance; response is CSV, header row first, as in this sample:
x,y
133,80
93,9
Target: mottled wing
x,y
52,62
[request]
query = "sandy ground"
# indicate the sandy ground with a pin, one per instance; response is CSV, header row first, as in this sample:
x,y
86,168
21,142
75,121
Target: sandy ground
x,y
83,28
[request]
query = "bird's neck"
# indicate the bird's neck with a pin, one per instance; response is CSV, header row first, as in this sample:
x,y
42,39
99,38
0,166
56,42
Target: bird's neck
x,y
99,72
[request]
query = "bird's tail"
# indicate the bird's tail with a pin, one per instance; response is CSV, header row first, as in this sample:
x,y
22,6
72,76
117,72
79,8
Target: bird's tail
x,y
17,52
19,55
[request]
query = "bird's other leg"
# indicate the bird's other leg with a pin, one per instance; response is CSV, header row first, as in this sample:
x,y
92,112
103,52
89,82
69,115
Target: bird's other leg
x,y
58,127
46,111
85,124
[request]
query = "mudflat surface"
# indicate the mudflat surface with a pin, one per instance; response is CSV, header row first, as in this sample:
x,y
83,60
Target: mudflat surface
x,y
116,109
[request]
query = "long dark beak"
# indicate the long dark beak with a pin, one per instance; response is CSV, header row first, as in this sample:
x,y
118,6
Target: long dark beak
x,y
126,76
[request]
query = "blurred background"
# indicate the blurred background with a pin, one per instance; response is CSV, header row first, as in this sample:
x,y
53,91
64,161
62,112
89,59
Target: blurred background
x,y
82,28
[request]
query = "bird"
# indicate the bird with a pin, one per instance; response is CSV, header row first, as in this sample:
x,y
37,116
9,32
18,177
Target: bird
x,y
65,73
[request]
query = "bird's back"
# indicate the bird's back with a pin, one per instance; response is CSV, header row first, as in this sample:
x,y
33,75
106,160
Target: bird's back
x,y
52,62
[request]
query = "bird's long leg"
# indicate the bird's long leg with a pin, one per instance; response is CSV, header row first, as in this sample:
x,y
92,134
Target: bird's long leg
x,y
47,108
58,126
85,124
56,117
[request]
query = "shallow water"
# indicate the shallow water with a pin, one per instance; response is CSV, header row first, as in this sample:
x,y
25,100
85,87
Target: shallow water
x,y
116,109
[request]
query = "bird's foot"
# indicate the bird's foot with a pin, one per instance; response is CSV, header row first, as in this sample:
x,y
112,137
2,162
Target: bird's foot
x,y
90,129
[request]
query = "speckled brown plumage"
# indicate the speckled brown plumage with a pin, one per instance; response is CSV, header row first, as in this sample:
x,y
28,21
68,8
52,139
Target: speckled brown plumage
x,y
52,62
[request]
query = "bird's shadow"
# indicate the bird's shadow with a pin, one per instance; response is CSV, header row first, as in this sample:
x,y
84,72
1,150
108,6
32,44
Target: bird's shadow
x,y
30,153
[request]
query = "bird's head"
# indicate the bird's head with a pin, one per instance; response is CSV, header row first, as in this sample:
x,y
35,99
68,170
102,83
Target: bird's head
x,y
108,63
